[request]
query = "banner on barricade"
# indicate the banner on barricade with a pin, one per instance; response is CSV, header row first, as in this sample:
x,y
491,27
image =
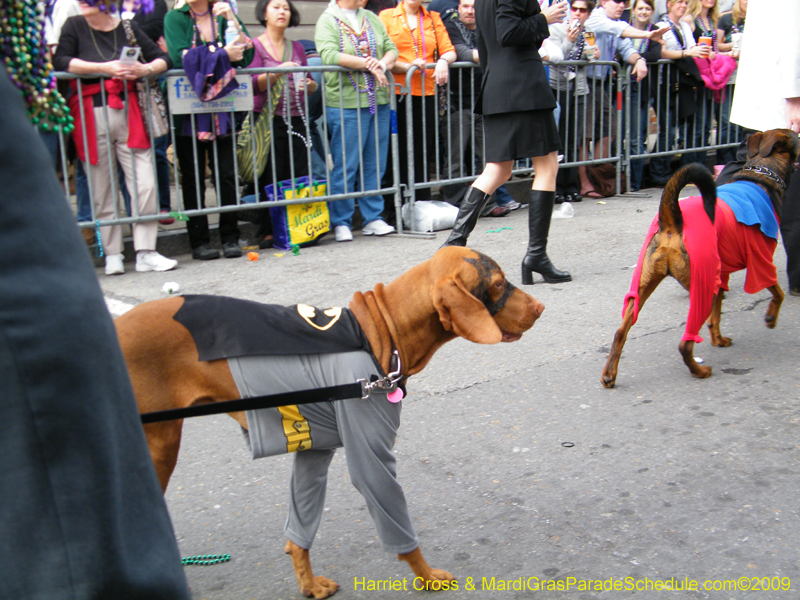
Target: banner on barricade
x,y
183,100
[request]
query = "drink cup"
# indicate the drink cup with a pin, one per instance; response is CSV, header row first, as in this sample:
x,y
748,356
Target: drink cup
x,y
592,50
736,39
706,41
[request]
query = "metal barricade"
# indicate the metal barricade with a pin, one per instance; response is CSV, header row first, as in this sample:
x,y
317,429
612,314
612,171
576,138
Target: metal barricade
x,y
259,201
454,155
688,125
459,130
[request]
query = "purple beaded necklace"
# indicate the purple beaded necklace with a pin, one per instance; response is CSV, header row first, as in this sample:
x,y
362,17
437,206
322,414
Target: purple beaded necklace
x,y
710,32
364,45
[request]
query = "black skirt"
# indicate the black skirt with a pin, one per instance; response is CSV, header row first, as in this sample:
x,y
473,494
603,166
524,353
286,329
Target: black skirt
x,y
517,135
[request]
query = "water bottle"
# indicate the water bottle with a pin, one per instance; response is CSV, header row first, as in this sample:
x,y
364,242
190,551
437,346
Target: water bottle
x,y
231,33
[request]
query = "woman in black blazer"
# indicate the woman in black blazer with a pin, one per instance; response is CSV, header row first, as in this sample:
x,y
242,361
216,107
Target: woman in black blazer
x,y
517,106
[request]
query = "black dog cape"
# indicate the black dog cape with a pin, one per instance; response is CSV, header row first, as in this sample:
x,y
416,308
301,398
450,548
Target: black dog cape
x,y
225,327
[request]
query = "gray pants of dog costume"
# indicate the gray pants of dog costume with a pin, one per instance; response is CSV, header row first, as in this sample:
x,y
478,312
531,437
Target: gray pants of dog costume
x,y
365,428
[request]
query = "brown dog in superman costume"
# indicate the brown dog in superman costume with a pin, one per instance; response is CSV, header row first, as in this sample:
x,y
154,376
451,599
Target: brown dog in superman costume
x,y
701,240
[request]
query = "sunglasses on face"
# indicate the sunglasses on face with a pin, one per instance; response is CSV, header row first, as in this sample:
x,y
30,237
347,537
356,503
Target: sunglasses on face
x,y
580,10
619,1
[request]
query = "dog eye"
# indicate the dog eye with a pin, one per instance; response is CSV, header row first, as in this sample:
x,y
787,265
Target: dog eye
x,y
500,284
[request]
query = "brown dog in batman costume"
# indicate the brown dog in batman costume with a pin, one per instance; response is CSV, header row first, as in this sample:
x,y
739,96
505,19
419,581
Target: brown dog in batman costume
x,y
458,292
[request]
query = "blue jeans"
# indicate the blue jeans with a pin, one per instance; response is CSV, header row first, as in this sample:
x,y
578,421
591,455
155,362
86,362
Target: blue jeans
x,y
50,139
640,130
346,169
501,196
83,199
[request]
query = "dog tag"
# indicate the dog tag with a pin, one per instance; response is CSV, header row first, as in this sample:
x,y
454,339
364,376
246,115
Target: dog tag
x,y
395,396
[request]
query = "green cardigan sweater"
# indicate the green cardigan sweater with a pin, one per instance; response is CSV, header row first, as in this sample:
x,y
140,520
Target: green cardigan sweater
x,y
328,41
179,33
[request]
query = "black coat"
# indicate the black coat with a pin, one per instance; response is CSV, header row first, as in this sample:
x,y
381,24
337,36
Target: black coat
x,y
514,79
83,513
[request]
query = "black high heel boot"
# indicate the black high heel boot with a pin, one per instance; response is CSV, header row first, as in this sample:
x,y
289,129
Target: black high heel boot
x,y
540,211
468,212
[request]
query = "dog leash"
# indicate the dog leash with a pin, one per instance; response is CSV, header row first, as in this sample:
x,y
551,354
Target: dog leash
x,y
360,389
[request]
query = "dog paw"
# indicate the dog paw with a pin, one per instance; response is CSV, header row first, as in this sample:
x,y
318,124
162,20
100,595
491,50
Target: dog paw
x,y
438,580
608,382
771,321
322,587
724,342
702,372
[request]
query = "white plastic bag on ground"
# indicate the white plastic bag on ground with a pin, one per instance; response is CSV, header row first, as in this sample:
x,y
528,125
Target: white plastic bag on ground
x,y
430,215
563,211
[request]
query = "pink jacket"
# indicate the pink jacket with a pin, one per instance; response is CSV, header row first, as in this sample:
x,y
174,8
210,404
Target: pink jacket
x,y
716,72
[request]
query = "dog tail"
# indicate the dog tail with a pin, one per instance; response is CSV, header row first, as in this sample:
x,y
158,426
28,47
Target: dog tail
x,y
669,213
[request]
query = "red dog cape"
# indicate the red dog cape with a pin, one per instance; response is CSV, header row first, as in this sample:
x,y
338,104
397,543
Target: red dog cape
x,y
715,251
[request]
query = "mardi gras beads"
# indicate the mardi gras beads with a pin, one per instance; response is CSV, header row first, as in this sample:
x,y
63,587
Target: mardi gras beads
x,y
25,57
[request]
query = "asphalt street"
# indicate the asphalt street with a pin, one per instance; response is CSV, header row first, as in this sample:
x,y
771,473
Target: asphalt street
x,y
519,468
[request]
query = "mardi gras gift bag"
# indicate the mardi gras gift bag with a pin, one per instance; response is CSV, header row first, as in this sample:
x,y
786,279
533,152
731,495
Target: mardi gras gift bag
x,y
298,224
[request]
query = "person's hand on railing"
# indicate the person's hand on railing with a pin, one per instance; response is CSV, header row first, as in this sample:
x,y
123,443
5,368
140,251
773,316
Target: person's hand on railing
x,y
139,70
118,70
374,66
417,62
556,12
380,77
442,72
640,69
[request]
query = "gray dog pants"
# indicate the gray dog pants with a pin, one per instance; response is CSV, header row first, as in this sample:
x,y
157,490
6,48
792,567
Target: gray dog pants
x,y
365,428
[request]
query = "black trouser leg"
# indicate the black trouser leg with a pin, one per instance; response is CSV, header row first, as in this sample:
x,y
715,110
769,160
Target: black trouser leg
x,y
226,185
197,227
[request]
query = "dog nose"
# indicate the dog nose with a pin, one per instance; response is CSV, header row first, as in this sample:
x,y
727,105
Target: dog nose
x,y
538,307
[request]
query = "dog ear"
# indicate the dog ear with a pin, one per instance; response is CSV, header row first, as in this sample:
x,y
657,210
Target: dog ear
x,y
770,139
754,144
463,314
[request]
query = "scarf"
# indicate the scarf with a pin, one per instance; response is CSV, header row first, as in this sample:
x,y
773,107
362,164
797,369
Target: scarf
x,y
212,77
137,136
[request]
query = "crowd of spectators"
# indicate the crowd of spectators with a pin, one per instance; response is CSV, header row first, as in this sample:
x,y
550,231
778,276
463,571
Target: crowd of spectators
x,y
370,38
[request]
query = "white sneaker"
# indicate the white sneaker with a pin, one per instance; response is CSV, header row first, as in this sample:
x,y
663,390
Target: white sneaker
x,y
150,260
342,233
513,205
377,227
114,264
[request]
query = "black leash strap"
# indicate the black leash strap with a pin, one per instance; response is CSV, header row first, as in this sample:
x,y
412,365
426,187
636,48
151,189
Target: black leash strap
x,y
336,392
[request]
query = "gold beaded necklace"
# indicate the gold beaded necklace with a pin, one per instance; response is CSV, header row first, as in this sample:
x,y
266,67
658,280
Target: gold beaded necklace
x,y
97,47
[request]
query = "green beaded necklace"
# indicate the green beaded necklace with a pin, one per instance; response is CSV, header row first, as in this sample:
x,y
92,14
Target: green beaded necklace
x,y
25,57
205,560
